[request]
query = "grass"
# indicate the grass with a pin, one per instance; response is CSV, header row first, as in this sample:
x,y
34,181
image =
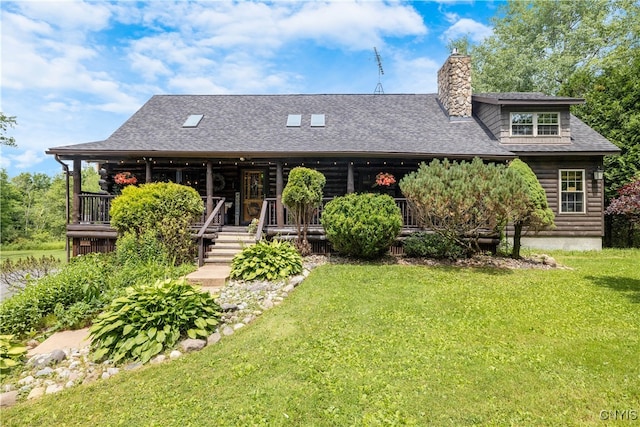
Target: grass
x,y
60,254
399,345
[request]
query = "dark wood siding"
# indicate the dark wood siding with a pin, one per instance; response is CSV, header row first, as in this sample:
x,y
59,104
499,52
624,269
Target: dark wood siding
x,y
490,116
587,224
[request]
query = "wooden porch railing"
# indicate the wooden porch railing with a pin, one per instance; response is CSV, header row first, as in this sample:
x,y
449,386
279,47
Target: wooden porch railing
x,y
409,219
94,208
216,218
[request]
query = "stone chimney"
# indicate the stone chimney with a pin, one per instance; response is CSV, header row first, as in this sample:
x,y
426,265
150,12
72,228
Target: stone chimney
x,y
454,85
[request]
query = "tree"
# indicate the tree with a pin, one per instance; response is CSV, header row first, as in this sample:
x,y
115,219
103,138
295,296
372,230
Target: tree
x,y
612,108
9,199
5,123
464,201
627,203
31,188
303,195
534,213
538,45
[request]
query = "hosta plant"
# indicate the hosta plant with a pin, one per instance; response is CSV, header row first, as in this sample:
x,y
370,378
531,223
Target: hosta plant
x,y
11,353
267,261
152,318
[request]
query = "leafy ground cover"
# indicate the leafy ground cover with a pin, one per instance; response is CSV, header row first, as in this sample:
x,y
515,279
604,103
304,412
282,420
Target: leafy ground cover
x,y
400,345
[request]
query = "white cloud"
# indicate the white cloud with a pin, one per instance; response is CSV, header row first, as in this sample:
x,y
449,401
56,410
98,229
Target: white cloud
x,y
27,159
465,26
414,75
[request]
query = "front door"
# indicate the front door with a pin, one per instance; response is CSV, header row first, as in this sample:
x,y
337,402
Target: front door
x,y
252,194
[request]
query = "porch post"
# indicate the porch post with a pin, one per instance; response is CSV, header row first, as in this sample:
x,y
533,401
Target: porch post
x,y
350,185
147,175
279,187
209,187
77,188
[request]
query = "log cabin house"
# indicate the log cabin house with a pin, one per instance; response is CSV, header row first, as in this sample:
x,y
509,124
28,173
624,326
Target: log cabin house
x,y
237,150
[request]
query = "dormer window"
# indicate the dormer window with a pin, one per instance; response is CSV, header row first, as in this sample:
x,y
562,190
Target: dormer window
x,y
535,124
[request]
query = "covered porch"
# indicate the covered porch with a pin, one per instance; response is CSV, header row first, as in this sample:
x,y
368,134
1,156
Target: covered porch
x,y
234,193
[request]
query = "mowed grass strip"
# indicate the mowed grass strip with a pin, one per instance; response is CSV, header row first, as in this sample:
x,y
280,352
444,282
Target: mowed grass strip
x,y
399,345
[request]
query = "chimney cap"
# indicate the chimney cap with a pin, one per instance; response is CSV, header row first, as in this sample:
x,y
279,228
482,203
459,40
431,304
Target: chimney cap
x,y
455,51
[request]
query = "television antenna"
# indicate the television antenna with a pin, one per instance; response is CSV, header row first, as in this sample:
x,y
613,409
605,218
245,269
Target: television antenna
x,y
378,89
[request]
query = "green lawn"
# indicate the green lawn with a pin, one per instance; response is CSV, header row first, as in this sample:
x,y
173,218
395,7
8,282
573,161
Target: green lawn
x,y
61,254
399,345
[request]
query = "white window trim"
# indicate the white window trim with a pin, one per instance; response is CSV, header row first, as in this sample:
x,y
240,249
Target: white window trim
x,y
535,124
584,192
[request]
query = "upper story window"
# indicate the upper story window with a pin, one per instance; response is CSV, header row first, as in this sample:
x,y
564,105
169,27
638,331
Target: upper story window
x,y
572,197
535,124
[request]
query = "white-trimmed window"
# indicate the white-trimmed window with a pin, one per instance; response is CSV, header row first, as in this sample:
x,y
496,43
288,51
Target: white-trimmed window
x,y
572,195
535,124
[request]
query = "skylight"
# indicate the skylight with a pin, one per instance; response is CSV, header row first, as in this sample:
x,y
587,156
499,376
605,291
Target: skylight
x,y
294,120
193,121
317,120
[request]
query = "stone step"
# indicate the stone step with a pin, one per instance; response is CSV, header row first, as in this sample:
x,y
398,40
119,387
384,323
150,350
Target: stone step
x,y
218,259
223,251
210,277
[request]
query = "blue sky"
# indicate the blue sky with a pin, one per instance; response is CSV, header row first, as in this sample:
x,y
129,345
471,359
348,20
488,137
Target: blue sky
x,y
74,71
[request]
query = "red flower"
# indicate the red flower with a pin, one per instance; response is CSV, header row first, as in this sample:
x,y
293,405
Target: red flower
x,y
125,178
385,179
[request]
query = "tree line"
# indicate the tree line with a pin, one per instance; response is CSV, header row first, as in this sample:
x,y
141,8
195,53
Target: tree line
x,y
33,206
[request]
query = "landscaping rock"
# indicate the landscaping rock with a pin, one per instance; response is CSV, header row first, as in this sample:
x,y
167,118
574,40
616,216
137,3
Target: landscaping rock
x,y
227,330
26,380
44,372
36,392
238,326
54,388
190,345
214,338
228,307
47,359
132,366
159,358
8,398
175,354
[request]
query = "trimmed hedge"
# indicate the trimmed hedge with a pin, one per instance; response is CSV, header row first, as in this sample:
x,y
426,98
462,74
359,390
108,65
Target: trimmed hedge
x,y
362,225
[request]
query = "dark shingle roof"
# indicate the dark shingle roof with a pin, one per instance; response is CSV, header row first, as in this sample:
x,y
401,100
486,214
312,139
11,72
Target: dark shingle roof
x,y
245,124
370,125
516,98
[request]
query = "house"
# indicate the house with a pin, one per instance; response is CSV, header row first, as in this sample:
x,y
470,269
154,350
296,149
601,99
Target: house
x,y
237,150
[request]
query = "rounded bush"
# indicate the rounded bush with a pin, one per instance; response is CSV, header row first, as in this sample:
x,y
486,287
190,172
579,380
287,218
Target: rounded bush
x,y
163,211
267,261
362,225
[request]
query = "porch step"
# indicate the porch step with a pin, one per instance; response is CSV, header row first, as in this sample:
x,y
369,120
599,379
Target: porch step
x,y
229,242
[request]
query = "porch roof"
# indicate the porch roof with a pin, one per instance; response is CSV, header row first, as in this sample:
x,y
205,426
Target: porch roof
x,y
406,125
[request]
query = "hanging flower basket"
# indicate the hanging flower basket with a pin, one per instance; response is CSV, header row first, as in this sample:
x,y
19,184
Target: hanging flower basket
x,y
385,179
125,178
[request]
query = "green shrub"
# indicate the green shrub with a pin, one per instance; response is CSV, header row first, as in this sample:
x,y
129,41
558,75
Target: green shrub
x,y
362,225
267,261
83,279
11,353
149,319
91,281
78,315
164,210
145,247
431,245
